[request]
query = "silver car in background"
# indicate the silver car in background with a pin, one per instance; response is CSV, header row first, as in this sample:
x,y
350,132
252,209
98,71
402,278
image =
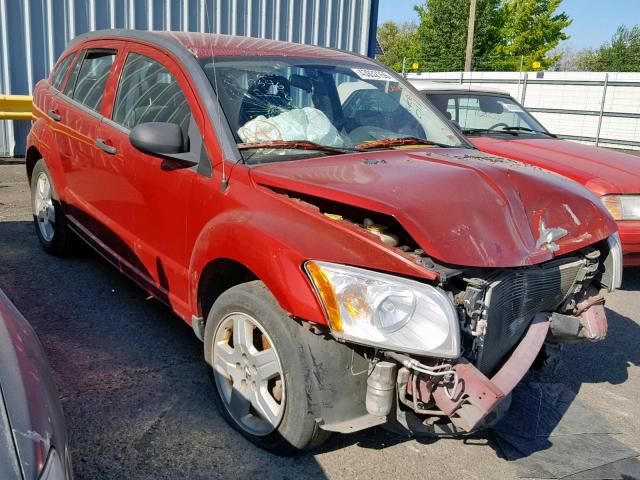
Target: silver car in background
x,y
33,438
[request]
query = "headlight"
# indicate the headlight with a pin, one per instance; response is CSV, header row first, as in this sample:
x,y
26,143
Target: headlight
x,y
623,207
386,311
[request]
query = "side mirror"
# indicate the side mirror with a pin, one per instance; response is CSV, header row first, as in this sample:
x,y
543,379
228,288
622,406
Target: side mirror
x,y
164,140
158,138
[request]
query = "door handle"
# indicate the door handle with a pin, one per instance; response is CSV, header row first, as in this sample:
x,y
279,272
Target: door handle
x,y
107,148
54,115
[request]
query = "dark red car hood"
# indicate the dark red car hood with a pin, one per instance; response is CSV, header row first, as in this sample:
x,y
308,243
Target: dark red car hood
x,y
601,170
461,206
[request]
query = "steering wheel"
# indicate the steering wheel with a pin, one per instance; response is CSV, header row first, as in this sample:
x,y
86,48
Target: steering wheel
x,y
499,124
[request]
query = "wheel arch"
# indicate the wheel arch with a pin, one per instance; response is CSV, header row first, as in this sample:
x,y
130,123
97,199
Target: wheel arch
x,y
31,158
218,276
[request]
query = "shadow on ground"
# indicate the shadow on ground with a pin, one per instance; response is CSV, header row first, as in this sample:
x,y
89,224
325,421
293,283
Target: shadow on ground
x,y
131,374
134,386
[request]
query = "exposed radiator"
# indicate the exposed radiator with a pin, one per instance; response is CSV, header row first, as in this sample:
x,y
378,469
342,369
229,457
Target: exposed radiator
x,y
514,297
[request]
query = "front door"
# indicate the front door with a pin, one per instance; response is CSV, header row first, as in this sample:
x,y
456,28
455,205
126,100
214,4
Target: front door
x,y
152,89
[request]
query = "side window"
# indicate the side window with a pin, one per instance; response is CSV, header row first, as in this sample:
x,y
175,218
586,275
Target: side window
x,y
60,71
452,110
92,78
68,88
147,92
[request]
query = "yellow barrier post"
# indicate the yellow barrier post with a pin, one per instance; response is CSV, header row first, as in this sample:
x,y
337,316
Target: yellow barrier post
x,y
16,107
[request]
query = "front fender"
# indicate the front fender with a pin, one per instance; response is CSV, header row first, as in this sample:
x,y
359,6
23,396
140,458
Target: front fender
x,y
238,236
273,235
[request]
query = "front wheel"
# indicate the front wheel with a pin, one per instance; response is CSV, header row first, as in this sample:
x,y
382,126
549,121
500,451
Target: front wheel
x,y
259,372
48,217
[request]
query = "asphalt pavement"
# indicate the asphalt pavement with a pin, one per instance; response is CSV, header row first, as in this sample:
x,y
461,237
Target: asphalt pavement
x,y
138,400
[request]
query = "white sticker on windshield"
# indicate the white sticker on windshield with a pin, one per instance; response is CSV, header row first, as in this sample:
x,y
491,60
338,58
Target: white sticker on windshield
x,y
371,74
512,107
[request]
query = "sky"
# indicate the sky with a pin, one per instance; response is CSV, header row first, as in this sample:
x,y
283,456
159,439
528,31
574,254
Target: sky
x,y
594,21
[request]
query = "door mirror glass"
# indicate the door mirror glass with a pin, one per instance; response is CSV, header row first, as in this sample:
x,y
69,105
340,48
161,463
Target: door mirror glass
x,y
158,138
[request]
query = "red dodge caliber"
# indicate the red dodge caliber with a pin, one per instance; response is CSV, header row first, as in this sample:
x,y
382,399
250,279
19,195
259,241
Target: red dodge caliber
x,y
495,123
347,258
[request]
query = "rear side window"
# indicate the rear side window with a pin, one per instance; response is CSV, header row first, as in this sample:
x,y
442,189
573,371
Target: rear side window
x,y
68,88
57,77
92,78
147,92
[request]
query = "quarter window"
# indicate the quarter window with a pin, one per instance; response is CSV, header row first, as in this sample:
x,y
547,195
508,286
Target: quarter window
x,y
92,78
147,92
57,77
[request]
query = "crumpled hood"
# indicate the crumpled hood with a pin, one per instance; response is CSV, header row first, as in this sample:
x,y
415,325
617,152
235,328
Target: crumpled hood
x,y
461,206
601,170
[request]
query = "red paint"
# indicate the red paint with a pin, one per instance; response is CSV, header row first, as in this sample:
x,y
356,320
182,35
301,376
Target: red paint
x,y
164,227
460,208
206,45
601,170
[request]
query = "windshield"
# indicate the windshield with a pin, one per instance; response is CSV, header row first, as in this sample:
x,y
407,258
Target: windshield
x,y
486,114
322,102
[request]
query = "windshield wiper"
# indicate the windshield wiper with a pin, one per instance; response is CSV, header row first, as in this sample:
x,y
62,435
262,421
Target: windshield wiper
x,y
296,145
526,129
398,141
471,131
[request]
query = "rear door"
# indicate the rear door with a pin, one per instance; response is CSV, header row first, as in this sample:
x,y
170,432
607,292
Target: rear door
x,y
152,88
87,183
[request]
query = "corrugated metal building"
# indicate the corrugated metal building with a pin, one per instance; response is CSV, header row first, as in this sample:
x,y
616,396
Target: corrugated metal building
x,y
33,33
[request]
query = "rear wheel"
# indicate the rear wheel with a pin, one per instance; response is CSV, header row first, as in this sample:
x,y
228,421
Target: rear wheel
x,y
48,217
259,371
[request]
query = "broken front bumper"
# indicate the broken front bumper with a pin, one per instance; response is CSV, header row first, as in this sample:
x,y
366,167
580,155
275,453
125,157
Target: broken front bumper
x,y
474,396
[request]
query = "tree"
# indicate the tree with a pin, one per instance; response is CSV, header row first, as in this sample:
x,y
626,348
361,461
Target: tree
x,y
531,29
441,36
621,54
506,32
571,59
397,42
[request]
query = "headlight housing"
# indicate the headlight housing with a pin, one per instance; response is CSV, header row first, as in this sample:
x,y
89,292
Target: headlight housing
x,y
622,207
386,311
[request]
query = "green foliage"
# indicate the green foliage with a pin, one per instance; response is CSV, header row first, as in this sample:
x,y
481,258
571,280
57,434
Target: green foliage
x,y
397,42
441,37
506,33
531,29
621,54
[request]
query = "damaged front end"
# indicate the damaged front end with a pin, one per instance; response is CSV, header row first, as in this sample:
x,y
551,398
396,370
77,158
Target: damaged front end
x,y
506,319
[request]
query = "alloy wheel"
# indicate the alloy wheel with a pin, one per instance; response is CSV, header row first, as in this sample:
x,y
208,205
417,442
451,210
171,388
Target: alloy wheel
x,y
43,208
248,374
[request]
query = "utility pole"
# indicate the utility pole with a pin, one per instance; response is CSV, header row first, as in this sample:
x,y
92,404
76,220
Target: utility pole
x,y
472,22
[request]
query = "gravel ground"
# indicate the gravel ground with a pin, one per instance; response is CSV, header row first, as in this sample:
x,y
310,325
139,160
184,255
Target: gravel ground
x,y
138,401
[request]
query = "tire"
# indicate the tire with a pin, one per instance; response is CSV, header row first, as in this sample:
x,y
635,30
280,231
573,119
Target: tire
x,y
49,219
292,429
